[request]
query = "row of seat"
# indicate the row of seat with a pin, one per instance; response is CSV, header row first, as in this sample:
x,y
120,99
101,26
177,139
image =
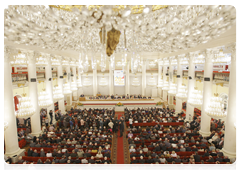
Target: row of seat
x,y
161,123
51,149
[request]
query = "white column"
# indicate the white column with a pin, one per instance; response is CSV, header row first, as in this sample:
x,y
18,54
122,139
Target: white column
x,y
69,80
229,147
10,135
191,84
144,78
95,82
164,79
179,83
111,85
75,97
170,75
127,85
61,105
49,86
33,94
159,78
80,90
207,93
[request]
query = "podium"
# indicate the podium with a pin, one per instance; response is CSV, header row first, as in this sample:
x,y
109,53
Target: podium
x,y
98,95
82,99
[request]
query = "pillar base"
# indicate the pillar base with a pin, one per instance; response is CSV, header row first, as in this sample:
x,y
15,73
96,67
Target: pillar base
x,y
37,133
231,155
205,134
15,155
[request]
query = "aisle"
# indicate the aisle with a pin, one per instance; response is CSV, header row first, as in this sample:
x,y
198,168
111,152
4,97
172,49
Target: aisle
x,y
120,149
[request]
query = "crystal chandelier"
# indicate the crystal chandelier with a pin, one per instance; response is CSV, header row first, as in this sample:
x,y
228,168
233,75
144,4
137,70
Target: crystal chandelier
x,y
25,108
112,61
41,61
166,62
160,83
160,62
103,62
152,81
19,60
200,59
66,89
184,61
103,82
152,64
73,63
174,62
55,61
172,89
221,58
57,94
87,82
182,92
65,62
5,125
135,82
119,64
79,83
236,125
215,108
74,86
44,99
195,98
165,86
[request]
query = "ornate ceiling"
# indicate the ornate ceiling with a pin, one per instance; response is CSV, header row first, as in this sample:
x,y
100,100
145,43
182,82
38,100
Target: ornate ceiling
x,y
167,30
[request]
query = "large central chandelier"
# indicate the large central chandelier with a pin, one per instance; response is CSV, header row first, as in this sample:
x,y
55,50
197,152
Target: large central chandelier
x,y
172,89
152,81
19,60
135,82
44,99
66,88
57,93
74,86
195,98
25,108
165,86
41,61
87,82
103,82
182,92
215,108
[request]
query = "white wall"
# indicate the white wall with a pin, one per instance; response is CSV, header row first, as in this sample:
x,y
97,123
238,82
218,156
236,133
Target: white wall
x,y
119,90
135,90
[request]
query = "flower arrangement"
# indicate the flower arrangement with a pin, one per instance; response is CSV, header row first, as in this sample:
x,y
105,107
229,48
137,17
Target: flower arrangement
x,y
119,104
80,104
159,103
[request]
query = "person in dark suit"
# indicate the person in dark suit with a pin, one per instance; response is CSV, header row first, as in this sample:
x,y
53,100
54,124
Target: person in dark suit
x,y
219,159
35,154
141,160
210,159
149,160
51,116
178,160
92,161
121,127
197,157
226,159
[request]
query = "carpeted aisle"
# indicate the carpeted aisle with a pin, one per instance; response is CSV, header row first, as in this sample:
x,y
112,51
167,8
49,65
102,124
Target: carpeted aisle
x,y
120,149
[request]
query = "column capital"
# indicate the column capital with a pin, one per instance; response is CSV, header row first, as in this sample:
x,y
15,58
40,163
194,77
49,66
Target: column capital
x,y
232,48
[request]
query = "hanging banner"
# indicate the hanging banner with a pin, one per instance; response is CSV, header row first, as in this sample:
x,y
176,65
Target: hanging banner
x,y
119,78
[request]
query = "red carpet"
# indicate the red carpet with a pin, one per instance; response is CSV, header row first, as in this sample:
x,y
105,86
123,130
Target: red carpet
x,y
120,154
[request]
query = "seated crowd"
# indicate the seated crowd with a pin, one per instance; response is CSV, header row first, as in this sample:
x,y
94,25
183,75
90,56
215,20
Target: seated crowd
x,y
171,144
108,97
81,136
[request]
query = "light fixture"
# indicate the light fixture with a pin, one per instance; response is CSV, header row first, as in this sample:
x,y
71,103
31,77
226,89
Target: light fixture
x,y
66,89
65,62
152,81
44,99
200,59
103,82
57,94
152,64
79,83
87,82
112,61
19,60
221,58
25,107
174,62
182,92
5,125
165,86
160,83
74,86
55,61
119,64
195,98
135,82
184,61
172,89
166,62
215,108
73,63
41,61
